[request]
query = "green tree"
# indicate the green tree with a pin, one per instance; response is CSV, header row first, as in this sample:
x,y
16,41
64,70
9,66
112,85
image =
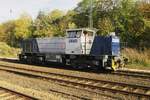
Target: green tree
x,y
7,32
64,23
41,27
105,26
47,24
56,14
22,25
129,18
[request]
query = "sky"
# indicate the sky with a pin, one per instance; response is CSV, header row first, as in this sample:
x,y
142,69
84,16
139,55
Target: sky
x,y
12,9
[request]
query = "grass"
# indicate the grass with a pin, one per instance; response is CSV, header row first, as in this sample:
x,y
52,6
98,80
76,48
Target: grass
x,y
137,59
7,51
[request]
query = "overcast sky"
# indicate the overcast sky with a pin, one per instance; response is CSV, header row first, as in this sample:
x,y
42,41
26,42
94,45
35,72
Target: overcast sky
x,y
10,9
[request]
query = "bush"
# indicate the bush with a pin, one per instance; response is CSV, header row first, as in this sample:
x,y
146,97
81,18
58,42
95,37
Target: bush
x,y
7,51
137,57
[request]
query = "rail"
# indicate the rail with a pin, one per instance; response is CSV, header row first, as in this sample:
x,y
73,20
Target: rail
x,y
91,85
6,94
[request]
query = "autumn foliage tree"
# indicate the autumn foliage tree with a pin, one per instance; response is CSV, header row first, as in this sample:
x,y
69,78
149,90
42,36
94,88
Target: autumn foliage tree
x,y
130,19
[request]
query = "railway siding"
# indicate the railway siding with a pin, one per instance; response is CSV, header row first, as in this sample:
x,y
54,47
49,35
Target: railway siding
x,y
122,72
99,85
84,94
82,83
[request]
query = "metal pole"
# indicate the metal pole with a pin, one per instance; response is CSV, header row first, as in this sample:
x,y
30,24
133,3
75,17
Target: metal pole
x,y
91,14
11,37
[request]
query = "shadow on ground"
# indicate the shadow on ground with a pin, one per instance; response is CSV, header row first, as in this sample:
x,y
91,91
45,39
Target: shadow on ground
x,y
60,66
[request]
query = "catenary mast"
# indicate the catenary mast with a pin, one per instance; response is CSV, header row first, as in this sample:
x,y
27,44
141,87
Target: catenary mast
x,y
91,14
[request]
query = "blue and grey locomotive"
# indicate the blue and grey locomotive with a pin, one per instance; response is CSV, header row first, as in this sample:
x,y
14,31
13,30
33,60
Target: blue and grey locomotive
x,y
80,47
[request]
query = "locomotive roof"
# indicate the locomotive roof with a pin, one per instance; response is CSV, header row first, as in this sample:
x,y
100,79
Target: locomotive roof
x,y
81,29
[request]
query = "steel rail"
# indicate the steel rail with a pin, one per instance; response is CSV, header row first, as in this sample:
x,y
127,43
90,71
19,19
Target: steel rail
x,y
91,85
59,81
13,94
77,77
132,74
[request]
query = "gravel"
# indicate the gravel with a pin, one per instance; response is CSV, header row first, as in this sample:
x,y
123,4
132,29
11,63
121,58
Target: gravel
x,y
101,76
42,89
47,90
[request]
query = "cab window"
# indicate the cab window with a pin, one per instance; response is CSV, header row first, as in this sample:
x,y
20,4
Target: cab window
x,y
88,33
74,34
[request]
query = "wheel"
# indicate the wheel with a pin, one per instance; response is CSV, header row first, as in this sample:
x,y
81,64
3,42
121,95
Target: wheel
x,y
20,58
64,61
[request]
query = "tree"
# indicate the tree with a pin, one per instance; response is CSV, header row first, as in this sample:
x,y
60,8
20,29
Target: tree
x,y
7,32
105,26
129,18
42,27
56,14
144,8
21,30
64,23
47,24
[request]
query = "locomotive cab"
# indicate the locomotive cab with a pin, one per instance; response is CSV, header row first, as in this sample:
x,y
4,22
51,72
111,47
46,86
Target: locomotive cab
x,y
79,41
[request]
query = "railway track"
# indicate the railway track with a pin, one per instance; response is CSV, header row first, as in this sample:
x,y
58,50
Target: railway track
x,y
122,72
132,74
6,94
62,82
86,84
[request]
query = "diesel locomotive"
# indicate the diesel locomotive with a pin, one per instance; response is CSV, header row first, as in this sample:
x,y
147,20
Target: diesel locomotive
x,y
80,47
